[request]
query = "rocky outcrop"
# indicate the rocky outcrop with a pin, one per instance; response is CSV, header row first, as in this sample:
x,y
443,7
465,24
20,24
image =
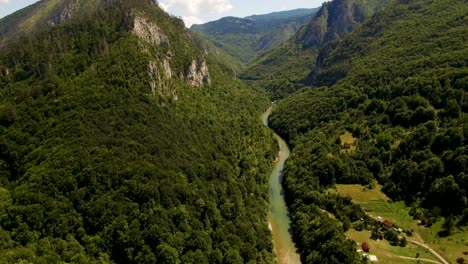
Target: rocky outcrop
x,y
160,71
149,31
167,68
160,82
316,30
64,13
160,75
335,19
198,74
155,78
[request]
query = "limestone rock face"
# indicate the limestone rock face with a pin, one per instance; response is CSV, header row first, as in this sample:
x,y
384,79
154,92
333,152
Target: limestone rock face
x,y
154,76
198,74
167,68
149,31
334,20
160,82
160,71
65,14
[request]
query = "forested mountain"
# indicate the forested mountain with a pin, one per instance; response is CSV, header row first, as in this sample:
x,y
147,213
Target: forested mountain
x,y
126,138
246,38
398,83
122,142
282,70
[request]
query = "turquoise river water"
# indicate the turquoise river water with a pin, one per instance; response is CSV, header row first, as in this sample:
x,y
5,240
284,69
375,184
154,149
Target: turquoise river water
x,y
279,222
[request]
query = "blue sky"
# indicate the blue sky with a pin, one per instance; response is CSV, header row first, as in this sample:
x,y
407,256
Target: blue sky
x,y
200,11
10,6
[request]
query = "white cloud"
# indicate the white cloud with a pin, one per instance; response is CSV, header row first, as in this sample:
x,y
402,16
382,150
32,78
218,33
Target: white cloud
x,y
196,7
4,1
190,20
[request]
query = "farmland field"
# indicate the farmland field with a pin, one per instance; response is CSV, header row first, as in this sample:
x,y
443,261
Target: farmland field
x,y
386,253
376,203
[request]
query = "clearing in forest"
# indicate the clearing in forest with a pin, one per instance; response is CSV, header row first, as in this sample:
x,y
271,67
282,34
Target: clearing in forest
x,y
376,203
386,253
348,142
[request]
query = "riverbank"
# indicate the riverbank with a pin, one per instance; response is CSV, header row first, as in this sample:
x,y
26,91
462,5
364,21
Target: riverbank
x,y
279,222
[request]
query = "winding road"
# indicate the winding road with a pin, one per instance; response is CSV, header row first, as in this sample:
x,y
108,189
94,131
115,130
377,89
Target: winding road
x,y
433,252
421,259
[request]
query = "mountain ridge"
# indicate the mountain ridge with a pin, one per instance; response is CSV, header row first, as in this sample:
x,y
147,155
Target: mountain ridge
x,y
298,56
246,38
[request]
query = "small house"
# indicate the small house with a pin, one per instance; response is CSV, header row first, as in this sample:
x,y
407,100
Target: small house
x,y
347,145
365,247
388,225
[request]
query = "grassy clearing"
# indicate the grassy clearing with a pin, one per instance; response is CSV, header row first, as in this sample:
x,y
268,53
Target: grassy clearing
x,y
386,253
376,203
451,247
347,138
361,194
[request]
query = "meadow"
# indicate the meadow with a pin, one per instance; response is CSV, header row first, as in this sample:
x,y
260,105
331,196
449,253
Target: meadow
x,y
376,204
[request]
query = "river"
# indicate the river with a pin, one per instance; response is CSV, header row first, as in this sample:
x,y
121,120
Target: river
x,y
278,218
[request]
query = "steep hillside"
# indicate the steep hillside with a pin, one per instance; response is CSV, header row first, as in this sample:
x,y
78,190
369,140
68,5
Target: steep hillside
x,y
122,142
221,56
398,85
45,14
428,47
336,18
246,38
282,70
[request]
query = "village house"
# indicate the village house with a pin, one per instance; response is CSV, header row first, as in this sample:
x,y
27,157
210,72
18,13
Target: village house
x,y
365,247
387,225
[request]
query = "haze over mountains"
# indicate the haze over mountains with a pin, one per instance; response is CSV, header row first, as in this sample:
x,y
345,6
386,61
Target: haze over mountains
x,y
246,38
127,138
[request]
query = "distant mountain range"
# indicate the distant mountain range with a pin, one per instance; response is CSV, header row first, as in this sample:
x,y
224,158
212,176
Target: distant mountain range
x,y
246,38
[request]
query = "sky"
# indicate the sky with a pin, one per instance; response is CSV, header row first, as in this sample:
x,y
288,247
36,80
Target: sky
x,y
201,11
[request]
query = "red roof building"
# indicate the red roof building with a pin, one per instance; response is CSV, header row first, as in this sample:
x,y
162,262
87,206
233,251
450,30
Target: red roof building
x,y
365,247
388,224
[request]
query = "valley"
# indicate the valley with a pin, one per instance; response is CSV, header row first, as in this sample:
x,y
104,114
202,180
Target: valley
x,y
126,137
278,219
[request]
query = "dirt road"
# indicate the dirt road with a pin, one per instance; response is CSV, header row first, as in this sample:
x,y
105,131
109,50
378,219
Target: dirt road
x,y
433,252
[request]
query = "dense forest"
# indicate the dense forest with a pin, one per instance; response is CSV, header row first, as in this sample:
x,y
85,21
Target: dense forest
x,y
399,84
125,138
101,164
282,70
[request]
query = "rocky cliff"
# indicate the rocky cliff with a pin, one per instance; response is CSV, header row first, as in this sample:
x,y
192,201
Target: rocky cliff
x,y
335,19
284,69
160,71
